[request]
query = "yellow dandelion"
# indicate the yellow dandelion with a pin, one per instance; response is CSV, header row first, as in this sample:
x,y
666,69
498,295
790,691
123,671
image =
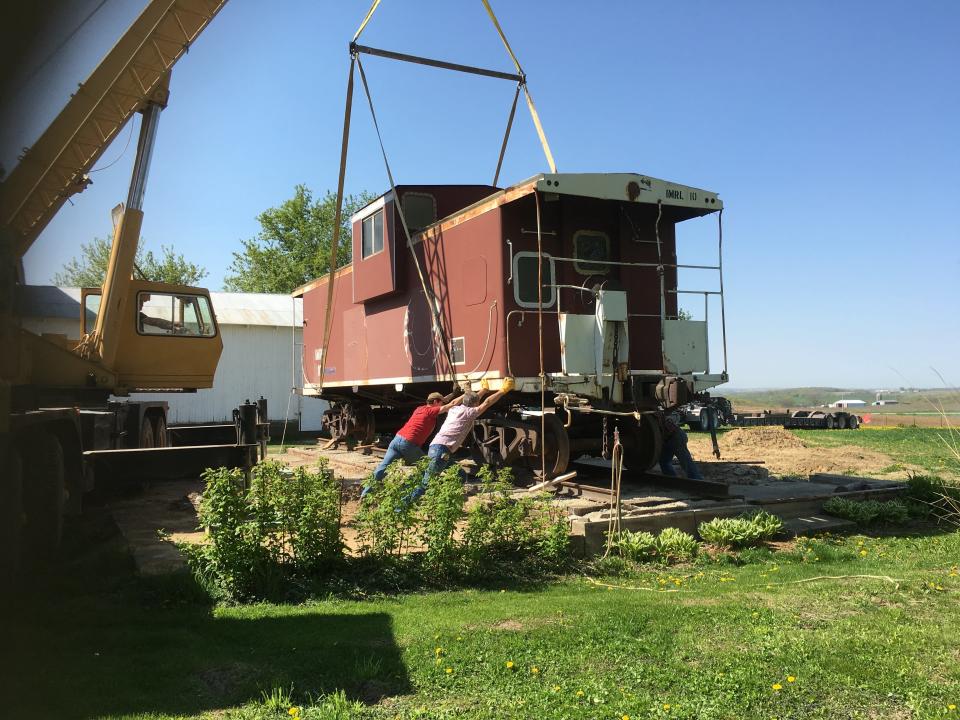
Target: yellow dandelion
x,y
294,712
449,670
863,553
777,686
625,717
439,651
791,678
579,693
535,670
509,664
666,706
951,707
556,688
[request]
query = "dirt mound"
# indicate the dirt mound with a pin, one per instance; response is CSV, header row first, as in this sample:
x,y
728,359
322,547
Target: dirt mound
x,y
783,455
759,438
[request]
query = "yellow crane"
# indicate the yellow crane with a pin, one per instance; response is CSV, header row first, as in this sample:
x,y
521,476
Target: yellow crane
x,y
57,426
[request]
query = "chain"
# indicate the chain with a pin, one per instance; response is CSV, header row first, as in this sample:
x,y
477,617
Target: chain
x,y
606,451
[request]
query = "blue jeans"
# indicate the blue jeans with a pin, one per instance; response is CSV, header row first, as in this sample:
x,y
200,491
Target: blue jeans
x,y
676,445
399,447
440,459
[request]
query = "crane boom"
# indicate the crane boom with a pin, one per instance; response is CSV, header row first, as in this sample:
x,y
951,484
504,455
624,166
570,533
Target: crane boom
x,y
132,74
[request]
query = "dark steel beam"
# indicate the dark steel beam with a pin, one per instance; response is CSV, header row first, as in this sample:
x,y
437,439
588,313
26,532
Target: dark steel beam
x,y
147,464
436,63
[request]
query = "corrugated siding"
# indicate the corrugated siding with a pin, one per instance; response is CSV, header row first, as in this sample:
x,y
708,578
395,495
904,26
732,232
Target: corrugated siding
x,y
256,361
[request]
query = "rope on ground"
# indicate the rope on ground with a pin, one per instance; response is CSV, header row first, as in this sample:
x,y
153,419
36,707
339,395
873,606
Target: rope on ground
x,y
886,578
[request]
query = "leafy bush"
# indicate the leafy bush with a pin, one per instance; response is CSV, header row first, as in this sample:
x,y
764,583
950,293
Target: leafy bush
x,y
868,512
281,537
439,512
637,546
286,526
387,515
502,527
741,531
675,545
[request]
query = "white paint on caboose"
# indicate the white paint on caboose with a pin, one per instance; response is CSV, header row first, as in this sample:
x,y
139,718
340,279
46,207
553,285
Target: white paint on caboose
x,y
262,349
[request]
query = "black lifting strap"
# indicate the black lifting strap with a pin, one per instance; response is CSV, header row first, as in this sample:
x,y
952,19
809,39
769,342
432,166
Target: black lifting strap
x,y
428,296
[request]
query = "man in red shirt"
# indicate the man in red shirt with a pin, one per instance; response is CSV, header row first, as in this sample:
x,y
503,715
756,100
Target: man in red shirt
x,y
407,443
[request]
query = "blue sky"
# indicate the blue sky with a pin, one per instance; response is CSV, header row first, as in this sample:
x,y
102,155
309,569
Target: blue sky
x,y
829,130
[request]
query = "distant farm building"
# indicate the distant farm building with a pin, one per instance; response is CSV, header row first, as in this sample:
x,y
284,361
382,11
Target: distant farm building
x,y
848,404
262,348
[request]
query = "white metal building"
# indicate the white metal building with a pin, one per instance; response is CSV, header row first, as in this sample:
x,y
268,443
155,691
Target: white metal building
x,y
262,349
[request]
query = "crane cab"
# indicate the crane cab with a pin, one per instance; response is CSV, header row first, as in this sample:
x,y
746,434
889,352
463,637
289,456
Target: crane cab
x,y
167,337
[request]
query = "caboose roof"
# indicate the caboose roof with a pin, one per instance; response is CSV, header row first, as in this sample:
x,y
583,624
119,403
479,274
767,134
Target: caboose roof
x,y
688,202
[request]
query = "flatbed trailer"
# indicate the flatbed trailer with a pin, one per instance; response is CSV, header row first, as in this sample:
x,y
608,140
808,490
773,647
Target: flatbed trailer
x,y
808,419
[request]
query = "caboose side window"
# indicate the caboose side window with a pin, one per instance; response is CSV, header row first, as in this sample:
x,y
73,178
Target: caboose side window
x,y
419,209
372,235
525,280
591,249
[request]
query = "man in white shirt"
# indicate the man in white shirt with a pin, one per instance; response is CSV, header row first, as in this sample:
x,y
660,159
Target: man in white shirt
x,y
457,425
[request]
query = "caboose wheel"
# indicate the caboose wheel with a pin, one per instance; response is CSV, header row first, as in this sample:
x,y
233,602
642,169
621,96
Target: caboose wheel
x,y
346,422
642,443
557,444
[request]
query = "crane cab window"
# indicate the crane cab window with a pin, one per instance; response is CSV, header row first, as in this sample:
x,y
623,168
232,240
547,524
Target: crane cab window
x,y
591,250
174,314
371,235
525,280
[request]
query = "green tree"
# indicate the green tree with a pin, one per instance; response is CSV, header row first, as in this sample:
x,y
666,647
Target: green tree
x,y
293,245
90,268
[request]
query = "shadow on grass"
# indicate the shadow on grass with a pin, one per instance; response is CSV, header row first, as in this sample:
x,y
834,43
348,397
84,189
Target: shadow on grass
x,y
89,639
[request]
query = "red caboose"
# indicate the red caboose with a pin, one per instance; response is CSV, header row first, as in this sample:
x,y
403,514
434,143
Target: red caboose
x,y
461,302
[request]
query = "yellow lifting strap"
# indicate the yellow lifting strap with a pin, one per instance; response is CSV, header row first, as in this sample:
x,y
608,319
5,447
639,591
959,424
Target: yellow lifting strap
x,y
526,91
335,241
373,8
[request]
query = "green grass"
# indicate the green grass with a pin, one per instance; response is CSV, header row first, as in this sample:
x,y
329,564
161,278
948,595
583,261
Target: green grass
x,y
709,641
934,450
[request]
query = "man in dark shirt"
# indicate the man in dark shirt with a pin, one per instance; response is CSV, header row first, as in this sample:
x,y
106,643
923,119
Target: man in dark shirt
x,y
675,445
407,443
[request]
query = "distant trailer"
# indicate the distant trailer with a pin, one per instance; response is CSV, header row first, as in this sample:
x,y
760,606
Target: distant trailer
x,y
809,419
461,301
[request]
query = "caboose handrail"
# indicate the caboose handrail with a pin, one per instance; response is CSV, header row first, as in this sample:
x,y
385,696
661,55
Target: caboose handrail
x,y
591,261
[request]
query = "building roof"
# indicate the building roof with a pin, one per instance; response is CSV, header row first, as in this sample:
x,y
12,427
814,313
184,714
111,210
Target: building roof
x,y
47,301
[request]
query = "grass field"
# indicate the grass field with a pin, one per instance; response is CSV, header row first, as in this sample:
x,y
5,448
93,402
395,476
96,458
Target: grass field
x,y
936,451
909,402
837,627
